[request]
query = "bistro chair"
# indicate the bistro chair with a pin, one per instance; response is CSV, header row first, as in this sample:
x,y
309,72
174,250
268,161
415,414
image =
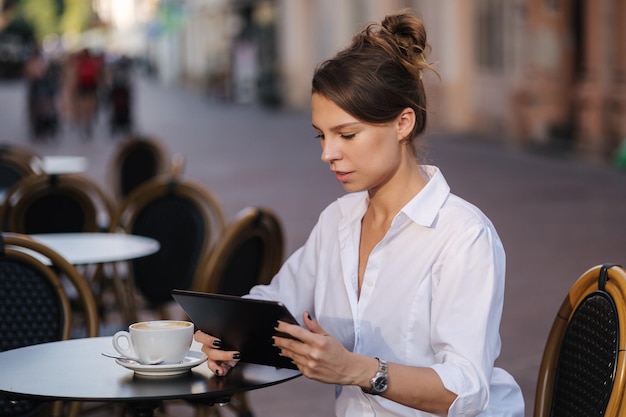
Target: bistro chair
x,y
136,160
249,252
57,204
185,218
582,372
35,308
17,162
64,203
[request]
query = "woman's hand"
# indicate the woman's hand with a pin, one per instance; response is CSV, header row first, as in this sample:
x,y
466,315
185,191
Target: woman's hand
x,y
318,355
219,361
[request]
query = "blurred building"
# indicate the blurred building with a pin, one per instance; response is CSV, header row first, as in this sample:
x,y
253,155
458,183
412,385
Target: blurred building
x,y
538,73
571,89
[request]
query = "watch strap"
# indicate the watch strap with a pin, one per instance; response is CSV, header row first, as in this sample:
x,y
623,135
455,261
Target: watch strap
x,y
381,374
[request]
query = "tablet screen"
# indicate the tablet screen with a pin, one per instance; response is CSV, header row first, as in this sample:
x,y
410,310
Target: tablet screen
x,y
242,324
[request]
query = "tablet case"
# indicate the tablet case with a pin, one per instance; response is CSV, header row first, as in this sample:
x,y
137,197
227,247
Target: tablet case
x,y
242,324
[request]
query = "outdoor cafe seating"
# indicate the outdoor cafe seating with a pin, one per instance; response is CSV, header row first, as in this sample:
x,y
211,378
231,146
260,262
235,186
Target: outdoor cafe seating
x,y
250,251
186,219
583,370
17,162
35,307
135,160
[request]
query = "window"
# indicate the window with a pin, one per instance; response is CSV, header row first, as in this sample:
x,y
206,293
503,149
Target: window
x,y
490,36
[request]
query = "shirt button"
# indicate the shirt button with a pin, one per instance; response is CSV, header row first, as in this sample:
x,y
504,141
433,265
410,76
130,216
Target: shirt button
x,y
370,283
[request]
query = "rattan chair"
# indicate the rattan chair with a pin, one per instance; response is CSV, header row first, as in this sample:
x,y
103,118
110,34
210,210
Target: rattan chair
x,y
186,219
57,204
582,372
16,163
66,203
35,307
249,252
136,160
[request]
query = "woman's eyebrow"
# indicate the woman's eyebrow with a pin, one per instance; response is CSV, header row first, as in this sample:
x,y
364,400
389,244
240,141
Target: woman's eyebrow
x,y
338,127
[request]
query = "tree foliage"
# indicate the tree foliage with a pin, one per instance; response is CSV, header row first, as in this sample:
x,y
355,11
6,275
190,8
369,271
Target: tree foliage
x,y
53,16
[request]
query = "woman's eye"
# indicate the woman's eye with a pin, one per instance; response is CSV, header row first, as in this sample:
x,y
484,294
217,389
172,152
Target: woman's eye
x,y
348,136
319,136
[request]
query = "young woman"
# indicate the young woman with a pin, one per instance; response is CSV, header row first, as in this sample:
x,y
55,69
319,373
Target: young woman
x,y
400,283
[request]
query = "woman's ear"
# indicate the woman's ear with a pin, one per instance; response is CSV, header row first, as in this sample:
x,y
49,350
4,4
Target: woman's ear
x,y
406,122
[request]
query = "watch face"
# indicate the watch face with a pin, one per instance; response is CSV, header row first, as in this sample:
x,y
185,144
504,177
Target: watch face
x,y
380,384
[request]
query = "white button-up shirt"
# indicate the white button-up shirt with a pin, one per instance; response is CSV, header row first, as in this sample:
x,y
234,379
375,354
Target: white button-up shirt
x,y
432,296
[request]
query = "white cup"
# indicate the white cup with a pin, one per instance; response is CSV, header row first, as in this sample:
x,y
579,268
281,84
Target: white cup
x,y
164,341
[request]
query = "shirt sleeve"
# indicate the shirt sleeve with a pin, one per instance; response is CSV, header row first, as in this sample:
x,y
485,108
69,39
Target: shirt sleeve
x,y
294,283
468,294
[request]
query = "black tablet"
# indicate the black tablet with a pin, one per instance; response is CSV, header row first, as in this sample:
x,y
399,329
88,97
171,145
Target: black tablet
x,y
242,324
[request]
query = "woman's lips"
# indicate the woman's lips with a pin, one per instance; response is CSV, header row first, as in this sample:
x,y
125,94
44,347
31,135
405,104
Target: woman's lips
x,y
342,176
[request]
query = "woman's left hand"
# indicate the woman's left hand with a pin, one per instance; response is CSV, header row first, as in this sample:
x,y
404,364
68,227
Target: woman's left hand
x,y
317,355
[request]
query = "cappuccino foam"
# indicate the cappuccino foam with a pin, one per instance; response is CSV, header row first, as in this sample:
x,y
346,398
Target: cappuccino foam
x,y
160,325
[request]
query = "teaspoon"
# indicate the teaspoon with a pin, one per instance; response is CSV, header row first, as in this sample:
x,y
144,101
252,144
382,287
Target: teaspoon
x,y
128,360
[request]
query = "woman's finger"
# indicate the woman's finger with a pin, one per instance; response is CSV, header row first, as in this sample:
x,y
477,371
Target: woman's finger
x,y
219,361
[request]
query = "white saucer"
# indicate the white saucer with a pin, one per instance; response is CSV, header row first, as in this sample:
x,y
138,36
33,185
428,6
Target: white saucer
x,y
192,359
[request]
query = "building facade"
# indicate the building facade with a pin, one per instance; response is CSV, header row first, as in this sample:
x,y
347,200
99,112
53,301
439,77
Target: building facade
x,y
572,88
532,73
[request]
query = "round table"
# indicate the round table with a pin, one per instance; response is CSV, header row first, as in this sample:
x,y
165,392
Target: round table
x,y
100,248
95,248
75,370
61,164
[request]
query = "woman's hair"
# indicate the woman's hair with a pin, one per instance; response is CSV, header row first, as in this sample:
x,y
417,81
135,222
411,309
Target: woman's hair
x,y
380,73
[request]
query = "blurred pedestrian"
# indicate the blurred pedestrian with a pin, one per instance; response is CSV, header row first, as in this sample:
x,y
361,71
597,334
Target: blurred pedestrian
x,y
41,96
400,284
88,70
120,96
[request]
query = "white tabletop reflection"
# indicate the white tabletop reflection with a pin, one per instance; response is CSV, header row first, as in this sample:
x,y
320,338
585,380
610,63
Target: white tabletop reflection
x,y
60,164
94,248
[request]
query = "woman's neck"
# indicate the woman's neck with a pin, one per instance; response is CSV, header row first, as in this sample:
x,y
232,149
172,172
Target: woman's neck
x,y
386,201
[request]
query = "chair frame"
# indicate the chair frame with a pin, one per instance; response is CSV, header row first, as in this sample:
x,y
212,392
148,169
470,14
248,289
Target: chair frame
x,y
19,247
125,149
22,159
14,245
160,187
94,202
613,280
249,222
88,194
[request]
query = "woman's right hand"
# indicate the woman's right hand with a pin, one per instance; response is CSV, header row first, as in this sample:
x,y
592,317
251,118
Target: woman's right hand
x,y
219,361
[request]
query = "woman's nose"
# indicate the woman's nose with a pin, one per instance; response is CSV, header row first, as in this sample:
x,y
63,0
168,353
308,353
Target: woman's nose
x,y
330,151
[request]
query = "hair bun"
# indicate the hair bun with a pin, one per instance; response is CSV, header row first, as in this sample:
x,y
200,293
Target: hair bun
x,y
409,34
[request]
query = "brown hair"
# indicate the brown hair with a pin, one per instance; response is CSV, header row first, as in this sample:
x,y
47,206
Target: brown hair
x,y
380,73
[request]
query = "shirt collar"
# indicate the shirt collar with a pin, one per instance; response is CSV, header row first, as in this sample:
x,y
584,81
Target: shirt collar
x,y
421,209
424,207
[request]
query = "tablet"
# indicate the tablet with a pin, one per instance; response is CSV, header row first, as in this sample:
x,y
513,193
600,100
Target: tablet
x,y
242,324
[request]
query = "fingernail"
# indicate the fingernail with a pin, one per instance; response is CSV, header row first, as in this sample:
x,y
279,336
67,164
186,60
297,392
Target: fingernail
x,y
217,343
236,355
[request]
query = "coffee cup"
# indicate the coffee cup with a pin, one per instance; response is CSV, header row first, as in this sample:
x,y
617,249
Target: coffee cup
x,y
156,341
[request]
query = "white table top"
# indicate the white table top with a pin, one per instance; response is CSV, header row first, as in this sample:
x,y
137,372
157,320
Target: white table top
x,y
93,248
76,370
59,164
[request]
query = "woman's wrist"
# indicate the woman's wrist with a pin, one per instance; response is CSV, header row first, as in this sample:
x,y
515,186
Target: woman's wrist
x,y
363,369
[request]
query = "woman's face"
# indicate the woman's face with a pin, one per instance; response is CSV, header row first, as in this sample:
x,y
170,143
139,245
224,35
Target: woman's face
x,y
362,156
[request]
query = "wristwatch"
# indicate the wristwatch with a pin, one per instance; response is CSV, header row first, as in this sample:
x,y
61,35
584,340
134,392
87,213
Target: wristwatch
x,y
380,382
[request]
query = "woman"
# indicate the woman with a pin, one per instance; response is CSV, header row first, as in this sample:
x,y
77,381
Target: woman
x,y
400,283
